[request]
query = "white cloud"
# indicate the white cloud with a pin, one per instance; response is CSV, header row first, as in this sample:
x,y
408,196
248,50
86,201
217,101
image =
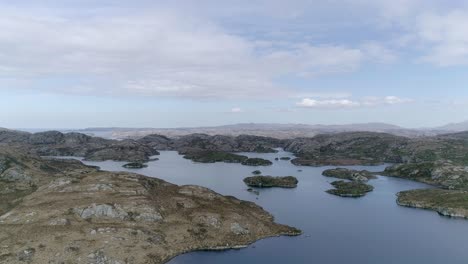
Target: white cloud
x,y
312,103
157,54
236,110
445,36
368,101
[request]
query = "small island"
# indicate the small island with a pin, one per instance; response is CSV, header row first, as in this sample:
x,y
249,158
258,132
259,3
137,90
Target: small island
x,y
270,181
350,189
256,172
208,156
135,165
256,162
285,158
347,174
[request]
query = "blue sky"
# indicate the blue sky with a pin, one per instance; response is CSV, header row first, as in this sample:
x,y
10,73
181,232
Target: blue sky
x,y
75,64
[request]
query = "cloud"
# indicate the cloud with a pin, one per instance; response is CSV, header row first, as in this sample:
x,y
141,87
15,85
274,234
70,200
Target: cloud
x,y
445,36
369,101
312,103
236,110
157,53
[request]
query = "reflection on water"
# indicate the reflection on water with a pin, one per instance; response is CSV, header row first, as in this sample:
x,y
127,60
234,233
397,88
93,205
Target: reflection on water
x,y
372,229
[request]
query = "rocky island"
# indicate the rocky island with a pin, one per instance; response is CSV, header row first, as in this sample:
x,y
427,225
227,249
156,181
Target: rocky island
x,y
347,174
208,156
270,181
135,165
61,211
256,162
350,189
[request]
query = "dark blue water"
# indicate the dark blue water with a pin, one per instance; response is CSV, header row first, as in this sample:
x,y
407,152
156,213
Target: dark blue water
x,y
372,229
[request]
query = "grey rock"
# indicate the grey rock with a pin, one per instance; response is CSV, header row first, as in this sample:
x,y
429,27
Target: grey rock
x,y
237,229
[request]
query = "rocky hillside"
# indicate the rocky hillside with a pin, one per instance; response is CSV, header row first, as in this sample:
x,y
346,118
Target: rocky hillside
x,y
65,212
242,143
357,148
365,148
54,143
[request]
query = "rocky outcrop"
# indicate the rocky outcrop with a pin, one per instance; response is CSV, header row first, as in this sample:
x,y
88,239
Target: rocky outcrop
x,y
54,143
350,189
270,181
77,213
347,174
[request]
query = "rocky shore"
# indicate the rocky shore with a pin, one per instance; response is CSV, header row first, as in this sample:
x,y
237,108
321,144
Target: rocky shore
x,y
445,202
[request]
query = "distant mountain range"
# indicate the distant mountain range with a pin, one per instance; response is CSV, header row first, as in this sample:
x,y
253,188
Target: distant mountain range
x,y
270,130
267,129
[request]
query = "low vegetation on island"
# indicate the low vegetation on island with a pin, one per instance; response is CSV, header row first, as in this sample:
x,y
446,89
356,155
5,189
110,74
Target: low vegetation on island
x,y
135,165
350,189
270,181
256,162
208,156
347,174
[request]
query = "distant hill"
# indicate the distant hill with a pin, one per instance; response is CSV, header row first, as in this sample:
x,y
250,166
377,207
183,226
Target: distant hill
x,y
280,131
454,127
257,129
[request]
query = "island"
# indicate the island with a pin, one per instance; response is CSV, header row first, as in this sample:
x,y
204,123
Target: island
x,y
350,189
270,181
285,158
256,162
347,174
135,165
208,156
256,172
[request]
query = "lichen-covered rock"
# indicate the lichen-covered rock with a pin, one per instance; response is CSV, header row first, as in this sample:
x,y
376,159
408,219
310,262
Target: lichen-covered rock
x,y
237,229
101,210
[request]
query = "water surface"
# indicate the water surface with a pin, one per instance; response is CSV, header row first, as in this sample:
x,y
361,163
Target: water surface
x,y
372,229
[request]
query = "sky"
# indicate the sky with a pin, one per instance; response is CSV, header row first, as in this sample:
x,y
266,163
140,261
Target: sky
x,y
87,63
